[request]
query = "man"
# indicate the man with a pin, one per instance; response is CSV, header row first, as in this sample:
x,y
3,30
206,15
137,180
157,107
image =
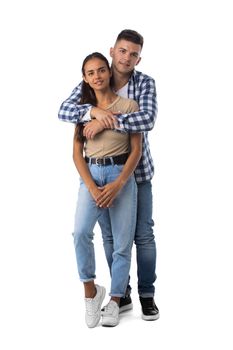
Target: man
x,y
130,83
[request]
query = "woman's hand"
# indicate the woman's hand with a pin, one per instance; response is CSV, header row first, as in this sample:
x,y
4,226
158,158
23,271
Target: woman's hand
x,y
95,192
108,194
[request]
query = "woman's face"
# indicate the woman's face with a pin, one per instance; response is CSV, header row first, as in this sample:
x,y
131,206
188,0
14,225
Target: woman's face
x,y
97,74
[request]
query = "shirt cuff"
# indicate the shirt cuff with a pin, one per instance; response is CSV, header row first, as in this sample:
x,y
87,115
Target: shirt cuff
x,y
87,116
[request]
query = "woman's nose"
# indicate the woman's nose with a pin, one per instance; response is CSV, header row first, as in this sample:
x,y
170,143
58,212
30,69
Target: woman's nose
x,y
97,74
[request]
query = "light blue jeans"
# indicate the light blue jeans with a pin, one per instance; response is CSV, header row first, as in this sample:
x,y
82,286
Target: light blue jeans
x,y
144,240
122,218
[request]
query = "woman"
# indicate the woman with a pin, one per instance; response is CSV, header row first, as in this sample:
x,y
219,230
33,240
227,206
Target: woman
x,y
107,183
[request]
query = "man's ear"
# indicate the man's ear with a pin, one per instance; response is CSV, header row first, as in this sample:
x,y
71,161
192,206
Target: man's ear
x,y
111,51
139,60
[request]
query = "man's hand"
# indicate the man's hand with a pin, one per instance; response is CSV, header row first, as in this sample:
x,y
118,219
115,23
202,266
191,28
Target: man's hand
x,y
92,128
106,118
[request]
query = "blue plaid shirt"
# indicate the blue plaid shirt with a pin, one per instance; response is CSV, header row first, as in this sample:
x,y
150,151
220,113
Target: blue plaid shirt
x,y
142,89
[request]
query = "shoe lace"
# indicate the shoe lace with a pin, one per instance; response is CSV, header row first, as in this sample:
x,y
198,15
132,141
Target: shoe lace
x,y
108,308
89,306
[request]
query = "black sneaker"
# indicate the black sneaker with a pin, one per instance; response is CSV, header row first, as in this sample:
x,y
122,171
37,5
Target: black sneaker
x,y
150,312
125,304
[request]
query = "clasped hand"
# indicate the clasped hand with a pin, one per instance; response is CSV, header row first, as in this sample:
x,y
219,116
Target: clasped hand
x,y
105,120
104,196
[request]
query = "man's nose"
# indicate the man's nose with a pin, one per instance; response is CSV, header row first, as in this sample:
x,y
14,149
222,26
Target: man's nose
x,y
127,56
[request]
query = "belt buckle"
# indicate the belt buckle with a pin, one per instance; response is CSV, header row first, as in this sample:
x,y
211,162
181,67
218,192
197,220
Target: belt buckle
x,y
99,161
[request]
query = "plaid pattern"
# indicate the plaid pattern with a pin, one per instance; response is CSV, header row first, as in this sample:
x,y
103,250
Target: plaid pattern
x,y
142,89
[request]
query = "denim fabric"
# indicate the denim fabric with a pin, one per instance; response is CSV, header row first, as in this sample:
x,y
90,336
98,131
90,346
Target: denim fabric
x,y
144,240
122,218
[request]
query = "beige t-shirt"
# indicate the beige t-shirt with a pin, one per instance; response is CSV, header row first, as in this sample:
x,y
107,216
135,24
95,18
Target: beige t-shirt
x,y
112,142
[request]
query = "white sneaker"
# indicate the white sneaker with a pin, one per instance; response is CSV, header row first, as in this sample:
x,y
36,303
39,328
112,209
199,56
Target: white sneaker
x,y
110,314
93,307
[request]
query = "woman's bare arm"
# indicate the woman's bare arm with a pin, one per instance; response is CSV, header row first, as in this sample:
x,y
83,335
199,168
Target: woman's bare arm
x,y
109,191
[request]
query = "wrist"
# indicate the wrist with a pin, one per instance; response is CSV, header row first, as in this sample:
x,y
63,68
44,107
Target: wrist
x,y
92,112
91,187
120,182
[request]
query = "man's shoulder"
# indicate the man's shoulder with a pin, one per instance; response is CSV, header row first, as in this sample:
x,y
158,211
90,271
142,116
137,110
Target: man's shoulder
x,y
140,77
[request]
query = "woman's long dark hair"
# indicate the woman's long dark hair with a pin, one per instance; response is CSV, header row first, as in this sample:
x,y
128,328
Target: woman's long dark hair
x,y
88,94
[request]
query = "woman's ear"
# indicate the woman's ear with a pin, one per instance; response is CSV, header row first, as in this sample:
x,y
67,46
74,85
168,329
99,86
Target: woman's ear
x,y
85,79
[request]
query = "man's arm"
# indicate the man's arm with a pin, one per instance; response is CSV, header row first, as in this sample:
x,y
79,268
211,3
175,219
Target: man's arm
x,y
144,119
71,111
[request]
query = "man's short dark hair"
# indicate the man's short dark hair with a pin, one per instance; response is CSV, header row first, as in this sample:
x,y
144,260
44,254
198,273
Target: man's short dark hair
x,y
131,35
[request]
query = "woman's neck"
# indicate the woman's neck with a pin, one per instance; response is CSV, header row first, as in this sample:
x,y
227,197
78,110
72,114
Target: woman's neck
x,y
105,98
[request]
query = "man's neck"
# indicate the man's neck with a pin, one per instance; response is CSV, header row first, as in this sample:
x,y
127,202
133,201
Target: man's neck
x,y
120,80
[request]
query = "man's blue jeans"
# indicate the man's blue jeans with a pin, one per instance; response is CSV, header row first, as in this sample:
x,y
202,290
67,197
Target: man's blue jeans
x,y
122,218
144,240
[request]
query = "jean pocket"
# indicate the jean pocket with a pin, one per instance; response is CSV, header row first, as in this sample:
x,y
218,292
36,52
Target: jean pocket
x,y
119,167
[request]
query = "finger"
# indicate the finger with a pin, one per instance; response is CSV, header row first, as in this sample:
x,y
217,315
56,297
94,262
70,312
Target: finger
x,y
109,123
114,119
99,198
101,194
93,133
87,134
112,125
107,202
102,200
110,204
105,198
84,131
106,124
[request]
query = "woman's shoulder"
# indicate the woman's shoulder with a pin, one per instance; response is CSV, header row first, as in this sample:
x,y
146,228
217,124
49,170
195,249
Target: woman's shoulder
x,y
127,104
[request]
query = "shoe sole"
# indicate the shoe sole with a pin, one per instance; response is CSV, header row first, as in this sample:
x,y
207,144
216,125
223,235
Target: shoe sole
x,y
125,308
150,317
108,322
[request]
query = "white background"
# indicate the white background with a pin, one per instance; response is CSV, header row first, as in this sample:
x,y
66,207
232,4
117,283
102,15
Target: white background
x,y
188,50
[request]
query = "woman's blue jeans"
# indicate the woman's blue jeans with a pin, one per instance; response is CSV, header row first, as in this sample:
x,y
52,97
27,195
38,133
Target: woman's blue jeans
x,y
144,240
122,219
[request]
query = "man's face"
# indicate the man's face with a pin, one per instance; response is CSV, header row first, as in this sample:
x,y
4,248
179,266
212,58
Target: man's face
x,y
125,56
